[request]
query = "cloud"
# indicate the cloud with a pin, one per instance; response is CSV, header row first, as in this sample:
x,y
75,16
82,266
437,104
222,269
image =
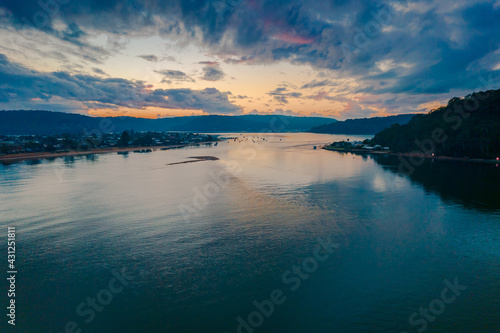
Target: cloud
x,y
287,113
170,76
278,112
149,57
22,85
237,61
281,94
98,71
293,39
323,115
212,73
320,96
316,84
209,100
209,63
352,109
240,97
435,46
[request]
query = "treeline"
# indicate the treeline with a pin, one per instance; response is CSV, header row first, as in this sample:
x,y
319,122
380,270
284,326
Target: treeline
x,y
362,125
465,127
71,141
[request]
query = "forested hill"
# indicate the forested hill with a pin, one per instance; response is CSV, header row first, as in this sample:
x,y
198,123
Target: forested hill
x,y
48,123
363,125
465,127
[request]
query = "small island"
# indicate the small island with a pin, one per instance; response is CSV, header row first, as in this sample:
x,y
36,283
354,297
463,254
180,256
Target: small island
x,y
355,146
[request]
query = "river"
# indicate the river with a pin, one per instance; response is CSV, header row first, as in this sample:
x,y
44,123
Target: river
x,y
274,236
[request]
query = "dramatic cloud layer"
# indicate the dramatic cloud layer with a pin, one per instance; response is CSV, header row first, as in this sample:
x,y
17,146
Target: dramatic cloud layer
x,y
22,84
391,49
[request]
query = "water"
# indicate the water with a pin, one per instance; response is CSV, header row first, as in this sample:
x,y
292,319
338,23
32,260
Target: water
x,y
399,238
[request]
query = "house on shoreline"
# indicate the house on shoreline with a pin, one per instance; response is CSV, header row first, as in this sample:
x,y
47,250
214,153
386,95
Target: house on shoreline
x,y
354,145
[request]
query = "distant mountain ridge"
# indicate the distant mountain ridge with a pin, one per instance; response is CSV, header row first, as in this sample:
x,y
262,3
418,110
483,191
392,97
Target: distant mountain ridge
x,y
362,125
40,122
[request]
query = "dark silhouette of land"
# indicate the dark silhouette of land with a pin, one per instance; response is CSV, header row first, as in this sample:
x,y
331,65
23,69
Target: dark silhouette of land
x,y
197,159
363,125
465,127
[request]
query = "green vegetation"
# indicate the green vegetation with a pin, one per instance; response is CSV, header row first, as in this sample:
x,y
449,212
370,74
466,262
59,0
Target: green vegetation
x,y
362,125
124,139
465,127
15,144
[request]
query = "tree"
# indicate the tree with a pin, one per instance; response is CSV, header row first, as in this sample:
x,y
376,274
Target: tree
x,y
125,138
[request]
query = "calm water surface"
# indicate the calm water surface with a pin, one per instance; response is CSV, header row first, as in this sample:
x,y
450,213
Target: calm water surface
x,y
201,244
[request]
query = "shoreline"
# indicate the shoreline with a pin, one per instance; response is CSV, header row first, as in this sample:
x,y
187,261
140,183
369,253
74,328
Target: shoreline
x,y
441,158
12,158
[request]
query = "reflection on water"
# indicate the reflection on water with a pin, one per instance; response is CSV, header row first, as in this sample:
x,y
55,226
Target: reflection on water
x,y
474,185
400,237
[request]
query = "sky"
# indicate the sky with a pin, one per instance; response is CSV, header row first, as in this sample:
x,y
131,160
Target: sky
x,y
339,59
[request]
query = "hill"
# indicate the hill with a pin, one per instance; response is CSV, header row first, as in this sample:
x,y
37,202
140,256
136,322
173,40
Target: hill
x,y
275,122
465,127
362,126
47,123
